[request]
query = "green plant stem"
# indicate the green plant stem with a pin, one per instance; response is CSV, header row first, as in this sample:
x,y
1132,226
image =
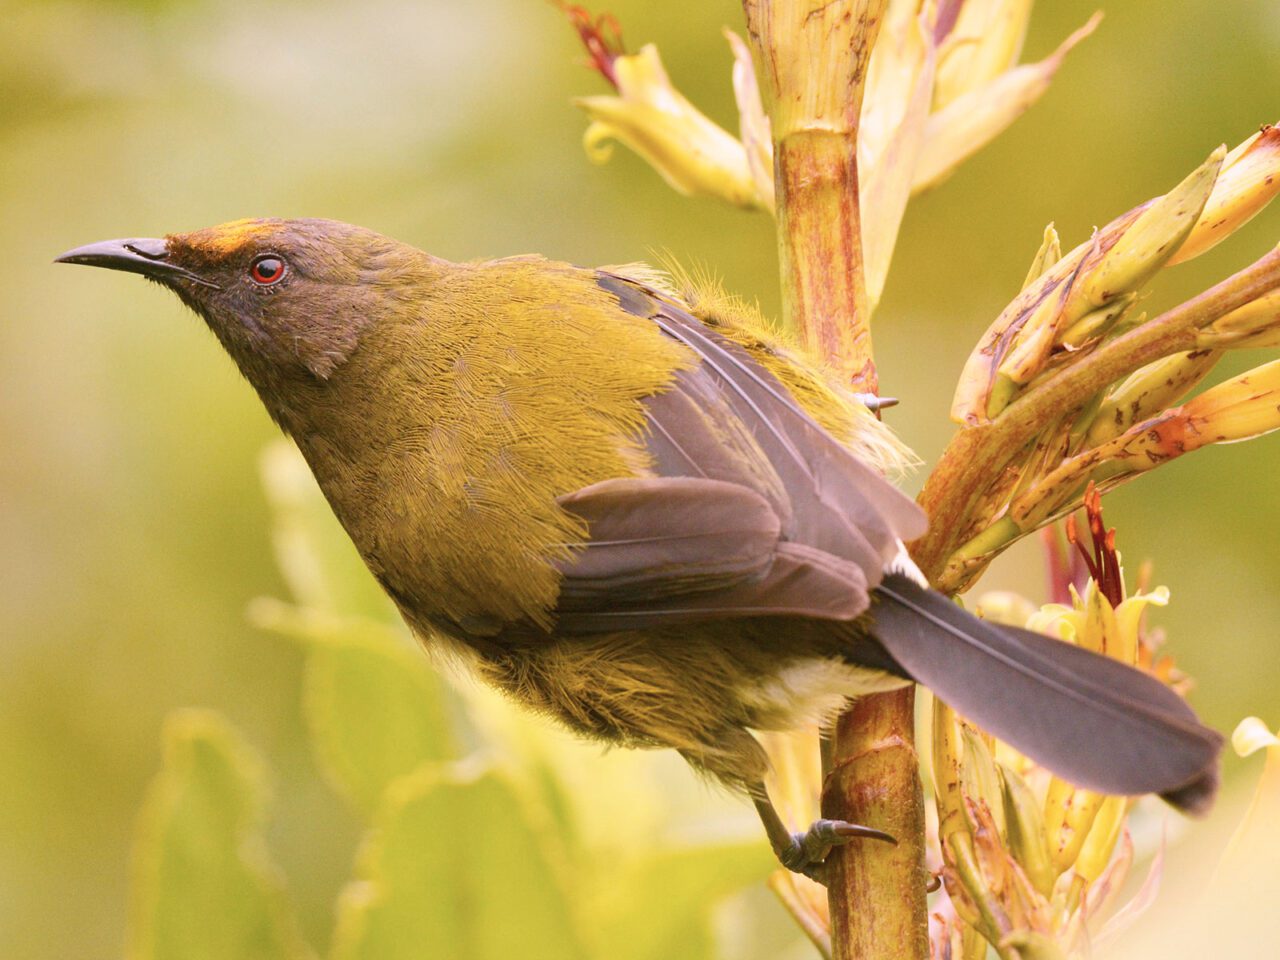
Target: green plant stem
x,y
814,56
978,453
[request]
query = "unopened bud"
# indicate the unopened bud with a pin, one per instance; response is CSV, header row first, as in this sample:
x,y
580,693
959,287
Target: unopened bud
x,y
1093,325
979,779
1098,847
1050,252
1250,179
1150,240
1243,407
1024,820
1069,813
1256,324
1147,391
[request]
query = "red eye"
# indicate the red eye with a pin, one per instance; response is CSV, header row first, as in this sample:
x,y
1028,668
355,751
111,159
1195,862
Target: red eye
x,y
267,270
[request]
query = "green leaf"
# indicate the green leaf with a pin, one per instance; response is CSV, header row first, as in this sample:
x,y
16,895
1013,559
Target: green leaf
x,y
454,871
663,909
375,708
203,886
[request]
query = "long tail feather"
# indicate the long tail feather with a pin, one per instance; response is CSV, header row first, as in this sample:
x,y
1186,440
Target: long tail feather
x,y
1092,720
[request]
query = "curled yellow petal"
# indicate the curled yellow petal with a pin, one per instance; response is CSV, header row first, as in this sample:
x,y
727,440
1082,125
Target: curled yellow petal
x,y
692,153
1129,618
1252,735
1251,852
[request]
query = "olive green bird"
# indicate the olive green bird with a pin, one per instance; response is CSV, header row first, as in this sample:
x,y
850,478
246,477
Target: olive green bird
x,y
657,522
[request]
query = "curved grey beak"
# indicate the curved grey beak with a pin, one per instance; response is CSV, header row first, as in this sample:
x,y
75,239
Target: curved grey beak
x,y
147,256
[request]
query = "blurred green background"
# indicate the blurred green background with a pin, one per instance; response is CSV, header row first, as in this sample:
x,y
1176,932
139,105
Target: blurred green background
x,y
134,530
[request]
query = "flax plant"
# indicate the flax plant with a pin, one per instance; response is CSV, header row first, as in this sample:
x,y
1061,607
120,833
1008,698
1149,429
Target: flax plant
x,y
846,110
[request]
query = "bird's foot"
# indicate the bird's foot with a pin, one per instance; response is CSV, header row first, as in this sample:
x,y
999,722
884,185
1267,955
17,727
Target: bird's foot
x,y
807,852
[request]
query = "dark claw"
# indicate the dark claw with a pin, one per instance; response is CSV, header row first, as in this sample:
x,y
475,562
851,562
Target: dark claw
x,y
875,403
808,851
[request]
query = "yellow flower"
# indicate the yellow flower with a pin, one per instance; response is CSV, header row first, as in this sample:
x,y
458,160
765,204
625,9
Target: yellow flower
x,y
1031,859
939,88
938,92
1258,835
691,152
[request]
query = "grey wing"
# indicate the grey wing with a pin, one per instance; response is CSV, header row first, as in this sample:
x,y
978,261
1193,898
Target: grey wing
x,y
673,550
755,511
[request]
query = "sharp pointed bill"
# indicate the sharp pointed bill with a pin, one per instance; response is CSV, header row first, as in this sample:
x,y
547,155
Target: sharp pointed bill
x,y
145,255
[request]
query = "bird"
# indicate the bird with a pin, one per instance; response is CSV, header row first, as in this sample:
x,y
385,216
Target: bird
x,y
653,518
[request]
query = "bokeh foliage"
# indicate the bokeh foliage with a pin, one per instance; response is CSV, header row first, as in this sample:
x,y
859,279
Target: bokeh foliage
x,y
135,531
470,847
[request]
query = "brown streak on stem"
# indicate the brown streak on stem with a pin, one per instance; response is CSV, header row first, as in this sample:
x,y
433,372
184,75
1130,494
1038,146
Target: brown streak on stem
x,y
821,251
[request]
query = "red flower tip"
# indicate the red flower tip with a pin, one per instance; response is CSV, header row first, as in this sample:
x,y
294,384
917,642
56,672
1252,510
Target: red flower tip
x,y
602,36
1101,562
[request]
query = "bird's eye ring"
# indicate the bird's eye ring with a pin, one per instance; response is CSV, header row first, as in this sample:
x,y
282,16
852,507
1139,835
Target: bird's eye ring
x,y
266,270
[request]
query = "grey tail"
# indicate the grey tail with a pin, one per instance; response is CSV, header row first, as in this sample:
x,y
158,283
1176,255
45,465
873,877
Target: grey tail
x,y
1091,720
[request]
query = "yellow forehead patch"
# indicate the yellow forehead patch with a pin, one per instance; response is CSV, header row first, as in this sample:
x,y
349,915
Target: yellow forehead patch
x,y
226,239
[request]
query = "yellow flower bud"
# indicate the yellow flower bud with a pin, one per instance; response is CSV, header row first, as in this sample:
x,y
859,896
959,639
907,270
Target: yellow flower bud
x,y
1147,391
1249,180
1094,324
1243,407
1150,240
1256,324
979,779
1050,252
1098,847
1024,821
1069,813
1034,340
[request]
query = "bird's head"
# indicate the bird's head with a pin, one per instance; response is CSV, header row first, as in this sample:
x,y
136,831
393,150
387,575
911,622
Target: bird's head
x,y
287,298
